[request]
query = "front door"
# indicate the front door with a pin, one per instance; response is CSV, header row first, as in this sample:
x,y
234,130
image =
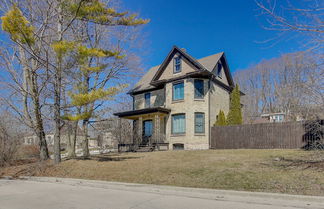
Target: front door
x,y
147,131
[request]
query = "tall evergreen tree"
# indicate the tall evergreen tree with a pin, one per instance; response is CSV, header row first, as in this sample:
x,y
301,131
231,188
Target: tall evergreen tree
x,y
234,116
69,51
221,120
94,61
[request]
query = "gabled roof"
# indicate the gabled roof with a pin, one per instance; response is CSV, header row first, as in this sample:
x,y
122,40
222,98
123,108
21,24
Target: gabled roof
x,y
210,61
205,64
144,82
171,54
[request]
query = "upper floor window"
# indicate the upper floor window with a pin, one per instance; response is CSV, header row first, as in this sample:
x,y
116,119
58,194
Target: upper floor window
x,y
199,122
178,91
219,70
147,100
178,124
199,89
177,65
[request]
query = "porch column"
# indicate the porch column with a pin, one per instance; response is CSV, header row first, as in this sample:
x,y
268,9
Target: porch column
x,y
140,130
157,129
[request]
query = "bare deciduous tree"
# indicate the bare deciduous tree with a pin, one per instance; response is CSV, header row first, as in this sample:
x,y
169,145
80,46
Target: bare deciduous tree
x,y
295,18
292,84
44,72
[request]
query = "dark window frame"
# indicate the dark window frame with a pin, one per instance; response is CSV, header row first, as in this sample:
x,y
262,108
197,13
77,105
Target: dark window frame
x,y
176,83
145,100
180,133
203,124
219,70
175,64
203,89
145,121
178,146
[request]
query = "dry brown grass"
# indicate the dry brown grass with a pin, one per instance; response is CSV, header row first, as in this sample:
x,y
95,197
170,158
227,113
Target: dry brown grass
x,y
285,171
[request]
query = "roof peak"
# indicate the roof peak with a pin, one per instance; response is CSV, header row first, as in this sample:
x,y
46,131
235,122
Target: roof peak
x,y
206,63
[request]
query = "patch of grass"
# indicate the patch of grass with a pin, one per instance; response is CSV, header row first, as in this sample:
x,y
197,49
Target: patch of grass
x,y
284,171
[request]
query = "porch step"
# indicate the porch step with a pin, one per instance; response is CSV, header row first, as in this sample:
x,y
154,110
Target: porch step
x,y
145,149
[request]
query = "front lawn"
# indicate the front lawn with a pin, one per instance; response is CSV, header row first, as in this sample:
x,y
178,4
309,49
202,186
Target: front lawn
x,y
285,171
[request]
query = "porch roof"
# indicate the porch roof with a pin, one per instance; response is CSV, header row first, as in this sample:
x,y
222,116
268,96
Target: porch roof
x,y
142,111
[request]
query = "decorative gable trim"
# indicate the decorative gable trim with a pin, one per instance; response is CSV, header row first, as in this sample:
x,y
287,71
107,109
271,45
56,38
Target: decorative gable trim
x,y
167,60
226,70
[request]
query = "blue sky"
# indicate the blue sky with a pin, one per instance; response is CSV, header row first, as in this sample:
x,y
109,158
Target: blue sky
x,y
206,27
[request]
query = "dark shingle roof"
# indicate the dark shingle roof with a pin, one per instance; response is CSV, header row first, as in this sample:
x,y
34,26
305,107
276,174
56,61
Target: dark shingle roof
x,y
208,62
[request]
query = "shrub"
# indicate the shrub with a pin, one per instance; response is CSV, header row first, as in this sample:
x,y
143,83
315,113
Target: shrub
x,y
29,151
8,147
221,120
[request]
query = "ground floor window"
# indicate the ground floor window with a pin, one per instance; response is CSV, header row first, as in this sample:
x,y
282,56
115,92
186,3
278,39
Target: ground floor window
x,y
178,124
199,122
178,146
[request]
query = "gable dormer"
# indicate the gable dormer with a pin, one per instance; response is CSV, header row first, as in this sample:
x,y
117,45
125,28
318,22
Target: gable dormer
x,y
219,72
178,63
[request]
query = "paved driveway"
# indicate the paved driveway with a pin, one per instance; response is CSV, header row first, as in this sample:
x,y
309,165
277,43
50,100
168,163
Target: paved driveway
x,y
51,193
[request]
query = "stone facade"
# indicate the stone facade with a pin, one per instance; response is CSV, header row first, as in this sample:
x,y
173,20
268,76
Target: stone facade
x,y
186,67
159,82
215,98
157,99
219,100
188,106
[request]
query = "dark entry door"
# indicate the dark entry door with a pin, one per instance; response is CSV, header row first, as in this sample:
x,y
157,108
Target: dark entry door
x,y
147,131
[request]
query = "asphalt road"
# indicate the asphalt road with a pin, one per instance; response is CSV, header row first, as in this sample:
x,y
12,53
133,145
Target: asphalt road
x,y
51,193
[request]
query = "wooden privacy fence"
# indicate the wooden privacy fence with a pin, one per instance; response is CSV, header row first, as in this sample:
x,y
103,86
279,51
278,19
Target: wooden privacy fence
x,y
289,135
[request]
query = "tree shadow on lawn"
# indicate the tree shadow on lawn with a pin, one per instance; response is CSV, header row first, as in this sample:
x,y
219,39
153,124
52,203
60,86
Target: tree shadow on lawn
x,y
304,164
108,157
287,163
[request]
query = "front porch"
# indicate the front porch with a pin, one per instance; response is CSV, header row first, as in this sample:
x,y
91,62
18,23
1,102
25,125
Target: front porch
x,y
149,129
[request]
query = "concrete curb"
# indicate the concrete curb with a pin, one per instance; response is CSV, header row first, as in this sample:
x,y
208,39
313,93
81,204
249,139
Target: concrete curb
x,y
298,201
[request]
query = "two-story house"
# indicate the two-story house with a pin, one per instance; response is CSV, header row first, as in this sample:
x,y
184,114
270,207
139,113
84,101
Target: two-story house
x,y
176,103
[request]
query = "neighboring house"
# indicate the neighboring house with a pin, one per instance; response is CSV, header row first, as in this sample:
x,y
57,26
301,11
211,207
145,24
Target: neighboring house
x,y
176,103
274,117
32,139
104,133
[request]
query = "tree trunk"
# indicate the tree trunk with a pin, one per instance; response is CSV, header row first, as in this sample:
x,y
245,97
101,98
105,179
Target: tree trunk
x,y
72,139
85,142
57,93
30,83
39,121
57,119
69,138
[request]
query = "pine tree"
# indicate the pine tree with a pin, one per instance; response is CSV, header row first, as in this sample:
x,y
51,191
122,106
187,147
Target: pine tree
x,y
221,121
93,61
234,116
79,50
17,25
